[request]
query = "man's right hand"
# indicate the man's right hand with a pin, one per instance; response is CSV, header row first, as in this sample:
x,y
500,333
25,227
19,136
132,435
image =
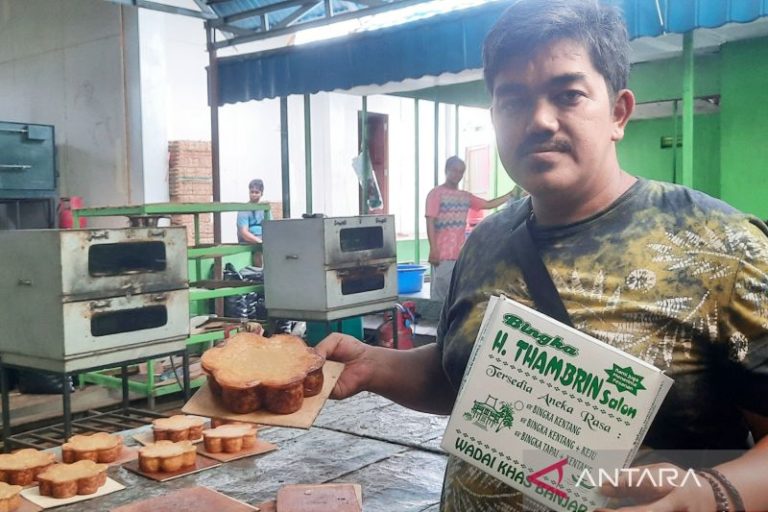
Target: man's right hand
x,y
359,368
433,259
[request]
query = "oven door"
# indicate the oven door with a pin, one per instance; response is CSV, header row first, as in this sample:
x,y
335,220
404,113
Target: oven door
x,y
124,323
113,262
359,239
363,284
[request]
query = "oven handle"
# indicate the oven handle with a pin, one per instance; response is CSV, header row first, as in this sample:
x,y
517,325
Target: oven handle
x,y
381,268
101,304
98,235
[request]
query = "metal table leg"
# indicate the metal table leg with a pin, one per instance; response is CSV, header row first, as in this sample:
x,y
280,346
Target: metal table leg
x,y
124,377
395,329
185,374
6,409
67,404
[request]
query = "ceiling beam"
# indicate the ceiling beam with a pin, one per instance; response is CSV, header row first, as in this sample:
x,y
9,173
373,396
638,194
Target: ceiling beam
x,y
204,7
370,3
259,33
295,15
265,9
170,9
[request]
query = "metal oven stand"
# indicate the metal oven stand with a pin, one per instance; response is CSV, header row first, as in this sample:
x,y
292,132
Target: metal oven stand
x,y
336,324
66,399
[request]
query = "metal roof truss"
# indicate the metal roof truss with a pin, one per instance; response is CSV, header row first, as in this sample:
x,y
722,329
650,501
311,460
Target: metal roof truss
x,y
245,21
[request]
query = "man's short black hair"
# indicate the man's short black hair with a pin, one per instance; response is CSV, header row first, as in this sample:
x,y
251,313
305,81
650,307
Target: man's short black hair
x,y
257,184
531,24
454,160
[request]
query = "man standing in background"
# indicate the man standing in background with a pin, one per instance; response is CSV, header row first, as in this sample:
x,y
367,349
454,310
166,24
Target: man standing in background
x,y
446,213
249,223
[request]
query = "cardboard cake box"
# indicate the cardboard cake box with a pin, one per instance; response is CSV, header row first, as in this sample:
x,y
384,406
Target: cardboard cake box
x,y
546,408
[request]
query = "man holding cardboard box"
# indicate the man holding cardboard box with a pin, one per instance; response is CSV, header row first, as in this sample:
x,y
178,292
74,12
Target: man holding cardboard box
x,y
661,272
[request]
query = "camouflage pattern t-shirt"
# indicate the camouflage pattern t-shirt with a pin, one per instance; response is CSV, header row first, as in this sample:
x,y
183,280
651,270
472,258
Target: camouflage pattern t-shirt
x,y
667,274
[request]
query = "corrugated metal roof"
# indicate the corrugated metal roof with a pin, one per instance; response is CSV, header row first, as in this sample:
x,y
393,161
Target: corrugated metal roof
x,y
448,43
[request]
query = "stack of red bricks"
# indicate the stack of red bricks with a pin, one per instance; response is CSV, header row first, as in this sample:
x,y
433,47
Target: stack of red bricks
x,y
190,181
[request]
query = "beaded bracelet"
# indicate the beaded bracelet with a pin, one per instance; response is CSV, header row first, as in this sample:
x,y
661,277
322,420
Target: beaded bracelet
x,y
721,500
733,493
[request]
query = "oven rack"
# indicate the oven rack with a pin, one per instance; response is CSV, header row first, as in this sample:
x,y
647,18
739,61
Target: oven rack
x,y
52,436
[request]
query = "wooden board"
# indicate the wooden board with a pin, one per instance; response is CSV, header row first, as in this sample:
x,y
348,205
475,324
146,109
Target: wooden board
x,y
318,498
33,494
203,403
191,499
259,448
267,506
201,464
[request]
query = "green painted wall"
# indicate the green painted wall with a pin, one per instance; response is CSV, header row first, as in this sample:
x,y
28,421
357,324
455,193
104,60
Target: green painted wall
x,y
406,252
744,126
663,80
640,152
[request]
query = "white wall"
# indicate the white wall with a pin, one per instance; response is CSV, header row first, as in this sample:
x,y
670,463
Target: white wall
x,y
186,92
61,63
97,72
154,93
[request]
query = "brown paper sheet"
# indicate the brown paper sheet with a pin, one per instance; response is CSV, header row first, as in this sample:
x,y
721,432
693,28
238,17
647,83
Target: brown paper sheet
x,y
33,494
259,448
191,498
201,464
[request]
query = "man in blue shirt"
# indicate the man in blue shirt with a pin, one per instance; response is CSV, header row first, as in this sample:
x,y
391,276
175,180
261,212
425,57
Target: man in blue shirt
x,y
249,223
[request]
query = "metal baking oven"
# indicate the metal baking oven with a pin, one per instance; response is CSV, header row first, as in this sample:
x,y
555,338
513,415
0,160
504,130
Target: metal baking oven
x,y
328,268
77,299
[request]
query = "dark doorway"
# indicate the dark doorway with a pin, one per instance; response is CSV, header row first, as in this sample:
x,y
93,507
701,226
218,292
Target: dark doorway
x,y
378,148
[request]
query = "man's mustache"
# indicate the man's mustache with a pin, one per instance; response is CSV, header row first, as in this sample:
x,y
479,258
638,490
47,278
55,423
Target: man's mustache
x,y
537,145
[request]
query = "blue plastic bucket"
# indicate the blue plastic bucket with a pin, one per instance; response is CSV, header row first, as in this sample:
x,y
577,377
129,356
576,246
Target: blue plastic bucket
x,y
410,277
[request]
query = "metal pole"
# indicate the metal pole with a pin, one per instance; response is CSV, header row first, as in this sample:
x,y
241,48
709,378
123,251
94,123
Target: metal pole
x,y
66,405
185,374
437,133
675,136
308,151
284,157
456,132
417,249
213,102
366,163
687,171
124,385
6,408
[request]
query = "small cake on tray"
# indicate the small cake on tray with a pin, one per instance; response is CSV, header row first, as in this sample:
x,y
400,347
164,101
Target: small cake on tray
x,y
9,497
230,438
178,428
67,480
167,456
99,447
23,466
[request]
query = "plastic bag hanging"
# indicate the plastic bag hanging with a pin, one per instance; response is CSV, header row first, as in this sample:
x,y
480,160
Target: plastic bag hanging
x,y
372,190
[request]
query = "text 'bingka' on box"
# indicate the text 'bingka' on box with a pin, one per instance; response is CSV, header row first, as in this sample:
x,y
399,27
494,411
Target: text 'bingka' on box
x,y
550,410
